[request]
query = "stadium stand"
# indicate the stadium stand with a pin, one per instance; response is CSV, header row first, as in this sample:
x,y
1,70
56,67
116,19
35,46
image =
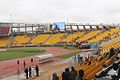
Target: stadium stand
x,y
109,34
104,73
39,39
55,39
97,65
89,35
4,41
114,43
72,36
21,40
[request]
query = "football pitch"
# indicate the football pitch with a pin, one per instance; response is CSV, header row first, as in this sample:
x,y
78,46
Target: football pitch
x,y
13,53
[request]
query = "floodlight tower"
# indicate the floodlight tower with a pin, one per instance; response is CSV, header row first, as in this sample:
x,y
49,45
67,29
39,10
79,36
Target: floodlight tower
x,y
10,17
67,21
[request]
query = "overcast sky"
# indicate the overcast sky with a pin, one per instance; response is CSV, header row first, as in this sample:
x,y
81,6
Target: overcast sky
x,y
39,11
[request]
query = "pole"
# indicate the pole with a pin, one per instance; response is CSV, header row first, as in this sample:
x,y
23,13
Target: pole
x,y
67,21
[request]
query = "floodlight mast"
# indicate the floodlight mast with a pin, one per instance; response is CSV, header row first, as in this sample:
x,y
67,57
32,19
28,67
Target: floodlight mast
x,y
10,17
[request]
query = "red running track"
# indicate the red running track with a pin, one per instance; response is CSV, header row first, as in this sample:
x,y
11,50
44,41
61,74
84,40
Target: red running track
x,y
10,67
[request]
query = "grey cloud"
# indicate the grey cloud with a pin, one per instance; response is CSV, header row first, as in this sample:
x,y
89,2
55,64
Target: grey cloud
x,y
37,11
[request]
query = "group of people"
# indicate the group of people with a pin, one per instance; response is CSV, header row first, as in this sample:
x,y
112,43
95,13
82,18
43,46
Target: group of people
x,y
31,72
110,53
82,60
112,72
70,75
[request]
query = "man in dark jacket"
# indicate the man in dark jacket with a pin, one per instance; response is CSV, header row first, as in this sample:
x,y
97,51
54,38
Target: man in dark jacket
x,y
66,75
26,72
30,71
112,52
37,70
55,77
80,75
73,73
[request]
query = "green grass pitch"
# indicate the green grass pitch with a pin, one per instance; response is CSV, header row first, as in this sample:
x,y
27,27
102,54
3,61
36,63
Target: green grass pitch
x,y
14,53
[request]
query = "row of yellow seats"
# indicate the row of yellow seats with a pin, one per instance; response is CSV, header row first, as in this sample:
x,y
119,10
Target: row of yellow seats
x,y
4,41
40,38
117,34
55,38
95,67
90,68
83,67
110,33
107,49
105,61
89,35
21,40
114,44
72,36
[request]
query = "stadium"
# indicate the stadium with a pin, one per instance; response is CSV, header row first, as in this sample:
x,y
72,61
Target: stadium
x,y
55,47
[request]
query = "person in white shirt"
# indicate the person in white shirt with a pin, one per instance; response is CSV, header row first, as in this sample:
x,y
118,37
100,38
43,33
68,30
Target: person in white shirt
x,y
113,73
33,72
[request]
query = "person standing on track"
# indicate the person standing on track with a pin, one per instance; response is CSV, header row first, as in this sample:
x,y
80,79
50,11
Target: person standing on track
x,y
30,72
24,64
26,72
37,70
33,72
78,59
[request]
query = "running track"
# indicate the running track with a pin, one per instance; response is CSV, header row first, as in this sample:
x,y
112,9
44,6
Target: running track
x,y
10,67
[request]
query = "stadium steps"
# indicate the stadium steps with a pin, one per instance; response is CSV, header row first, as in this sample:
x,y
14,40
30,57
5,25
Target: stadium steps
x,y
103,43
10,41
33,36
86,35
102,31
48,38
53,40
105,61
65,36
4,41
95,67
79,37
20,40
92,74
114,43
97,34
106,35
69,38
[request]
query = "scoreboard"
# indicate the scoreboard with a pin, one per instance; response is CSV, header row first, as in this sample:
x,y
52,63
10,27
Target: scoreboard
x,y
4,29
58,25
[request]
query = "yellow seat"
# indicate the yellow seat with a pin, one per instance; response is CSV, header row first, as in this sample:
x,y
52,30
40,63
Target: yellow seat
x,y
21,40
